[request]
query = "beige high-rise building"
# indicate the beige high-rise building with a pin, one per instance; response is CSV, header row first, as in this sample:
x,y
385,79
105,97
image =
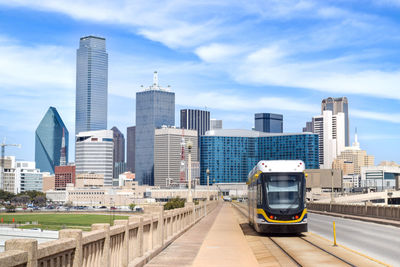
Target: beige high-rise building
x,y
352,159
167,154
389,164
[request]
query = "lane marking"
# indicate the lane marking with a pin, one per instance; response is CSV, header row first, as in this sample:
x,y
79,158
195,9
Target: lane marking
x,y
354,251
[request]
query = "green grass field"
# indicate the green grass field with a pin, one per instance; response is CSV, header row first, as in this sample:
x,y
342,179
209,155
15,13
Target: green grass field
x,y
59,221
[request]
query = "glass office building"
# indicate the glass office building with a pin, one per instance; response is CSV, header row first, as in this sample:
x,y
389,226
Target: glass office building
x,y
91,84
155,107
268,122
231,154
49,137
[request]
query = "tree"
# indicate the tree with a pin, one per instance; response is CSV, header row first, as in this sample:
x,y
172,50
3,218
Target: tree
x,y
174,203
21,199
132,206
39,201
5,195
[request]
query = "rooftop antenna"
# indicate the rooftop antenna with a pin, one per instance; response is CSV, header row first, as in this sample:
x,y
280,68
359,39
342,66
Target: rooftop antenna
x,y
155,79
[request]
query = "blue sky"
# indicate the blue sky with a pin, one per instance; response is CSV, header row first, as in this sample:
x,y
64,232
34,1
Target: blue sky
x,y
234,58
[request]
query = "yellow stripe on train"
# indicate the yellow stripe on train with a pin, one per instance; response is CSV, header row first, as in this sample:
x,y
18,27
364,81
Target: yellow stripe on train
x,y
262,212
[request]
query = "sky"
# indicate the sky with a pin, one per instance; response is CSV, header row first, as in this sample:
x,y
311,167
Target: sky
x,y
233,58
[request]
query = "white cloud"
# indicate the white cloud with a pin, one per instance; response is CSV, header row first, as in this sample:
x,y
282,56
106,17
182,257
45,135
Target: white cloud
x,y
214,53
371,115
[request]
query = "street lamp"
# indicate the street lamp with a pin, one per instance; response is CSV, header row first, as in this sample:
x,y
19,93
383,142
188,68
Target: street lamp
x,y
208,184
189,146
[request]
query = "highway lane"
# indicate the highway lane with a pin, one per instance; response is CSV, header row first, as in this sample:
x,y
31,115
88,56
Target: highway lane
x,y
11,233
378,241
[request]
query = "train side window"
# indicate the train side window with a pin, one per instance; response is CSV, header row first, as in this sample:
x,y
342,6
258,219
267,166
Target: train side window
x,y
259,194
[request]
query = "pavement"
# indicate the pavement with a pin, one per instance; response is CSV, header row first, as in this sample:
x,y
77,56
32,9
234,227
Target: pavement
x,y
360,218
216,240
380,242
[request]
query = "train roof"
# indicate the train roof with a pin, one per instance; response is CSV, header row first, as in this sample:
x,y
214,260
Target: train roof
x,y
278,166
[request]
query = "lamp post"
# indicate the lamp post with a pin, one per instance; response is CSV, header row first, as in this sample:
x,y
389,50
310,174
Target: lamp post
x,y
208,184
189,146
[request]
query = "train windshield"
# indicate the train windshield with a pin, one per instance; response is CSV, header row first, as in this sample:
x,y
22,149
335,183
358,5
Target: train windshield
x,y
283,191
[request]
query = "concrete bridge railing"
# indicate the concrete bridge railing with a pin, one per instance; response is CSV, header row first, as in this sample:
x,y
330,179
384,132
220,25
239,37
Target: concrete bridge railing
x,y
131,242
368,209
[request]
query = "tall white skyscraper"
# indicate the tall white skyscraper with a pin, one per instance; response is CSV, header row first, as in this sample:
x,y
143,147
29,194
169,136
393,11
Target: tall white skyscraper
x,y
94,153
331,136
91,84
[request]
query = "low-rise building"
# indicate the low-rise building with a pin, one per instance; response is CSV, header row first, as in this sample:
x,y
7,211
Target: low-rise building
x,y
64,175
380,178
89,180
49,182
27,177
319,180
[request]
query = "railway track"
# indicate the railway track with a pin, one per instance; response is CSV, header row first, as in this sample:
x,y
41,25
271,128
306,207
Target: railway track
x,y
297,250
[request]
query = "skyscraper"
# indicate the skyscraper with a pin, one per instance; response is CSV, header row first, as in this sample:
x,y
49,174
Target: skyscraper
x,y
91,84
119,152
130,148
51,140
336,105
195,119
94,154
268,122
215,124
331,135
155,107
167,157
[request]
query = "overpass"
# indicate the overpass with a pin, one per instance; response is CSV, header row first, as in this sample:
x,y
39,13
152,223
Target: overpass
x,y
209,234
359,198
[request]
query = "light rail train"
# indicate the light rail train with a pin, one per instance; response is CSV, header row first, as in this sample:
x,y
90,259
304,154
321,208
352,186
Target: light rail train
x,y
276,192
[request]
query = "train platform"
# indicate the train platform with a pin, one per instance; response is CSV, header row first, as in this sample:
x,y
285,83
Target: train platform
x,y
217,240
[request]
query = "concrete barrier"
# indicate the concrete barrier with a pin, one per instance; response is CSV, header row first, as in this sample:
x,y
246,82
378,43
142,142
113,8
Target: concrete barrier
x,y
367,210
131,242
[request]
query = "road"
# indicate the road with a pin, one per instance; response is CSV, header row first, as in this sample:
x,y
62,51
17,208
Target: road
x,y
378,241
11,233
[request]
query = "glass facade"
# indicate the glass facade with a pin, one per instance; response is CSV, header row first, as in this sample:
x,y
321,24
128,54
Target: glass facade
x,y
130,148
154,108
91,84
268,122
48,141
231,158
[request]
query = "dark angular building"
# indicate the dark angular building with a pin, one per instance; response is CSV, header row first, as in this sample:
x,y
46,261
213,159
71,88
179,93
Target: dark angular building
x,y
268,122
49,138
119,151
130,148
155,107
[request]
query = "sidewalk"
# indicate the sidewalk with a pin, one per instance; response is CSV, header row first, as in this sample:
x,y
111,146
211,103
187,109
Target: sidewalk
x,y
225,244
217,240
184,249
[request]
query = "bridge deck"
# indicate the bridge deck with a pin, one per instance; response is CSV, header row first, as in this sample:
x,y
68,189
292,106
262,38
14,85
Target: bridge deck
x,y
217,240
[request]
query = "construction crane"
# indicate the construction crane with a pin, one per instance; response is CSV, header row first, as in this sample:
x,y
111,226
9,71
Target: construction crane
x,y
3,150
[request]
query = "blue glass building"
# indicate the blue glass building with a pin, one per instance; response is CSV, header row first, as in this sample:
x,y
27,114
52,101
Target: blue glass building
x,y
155,107
231,154
48,141
91,84
268,122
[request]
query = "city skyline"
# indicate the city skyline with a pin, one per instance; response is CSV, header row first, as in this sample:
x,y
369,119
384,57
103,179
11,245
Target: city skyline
x,y
365,72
